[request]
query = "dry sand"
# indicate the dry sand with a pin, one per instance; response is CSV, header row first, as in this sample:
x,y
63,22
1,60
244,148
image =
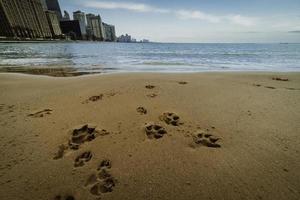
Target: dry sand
x,y
237,137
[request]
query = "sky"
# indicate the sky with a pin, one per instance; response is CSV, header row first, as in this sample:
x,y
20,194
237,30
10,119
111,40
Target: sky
x,y
198,21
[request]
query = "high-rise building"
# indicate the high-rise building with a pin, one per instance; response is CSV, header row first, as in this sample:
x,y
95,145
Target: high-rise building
x,y
44,4
66,16
110,32
72,29
80,16
125,38
23,19
54,6
53,23
95,27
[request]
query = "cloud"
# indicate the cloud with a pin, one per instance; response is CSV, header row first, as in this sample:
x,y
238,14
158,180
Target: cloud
x,y
235,19
185,14
241,20
137,7
181,14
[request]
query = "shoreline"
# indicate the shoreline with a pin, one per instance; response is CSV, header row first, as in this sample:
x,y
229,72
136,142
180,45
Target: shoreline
x,y
69,71
219,136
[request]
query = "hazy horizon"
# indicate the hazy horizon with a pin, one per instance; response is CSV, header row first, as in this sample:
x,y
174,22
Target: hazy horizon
x,y
198,21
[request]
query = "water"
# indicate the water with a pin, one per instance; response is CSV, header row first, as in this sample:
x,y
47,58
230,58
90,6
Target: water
x,y
153,57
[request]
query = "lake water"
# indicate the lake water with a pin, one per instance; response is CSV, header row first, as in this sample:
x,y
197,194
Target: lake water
x,y
152,57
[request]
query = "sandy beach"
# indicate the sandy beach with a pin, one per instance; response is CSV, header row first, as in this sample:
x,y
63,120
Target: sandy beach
x,y
150,136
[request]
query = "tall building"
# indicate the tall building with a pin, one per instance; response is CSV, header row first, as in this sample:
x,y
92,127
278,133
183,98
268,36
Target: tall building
x,y
44,4
53,23
72,29
95,27
23,19
66,16
54,6
110,32
125,38
80,16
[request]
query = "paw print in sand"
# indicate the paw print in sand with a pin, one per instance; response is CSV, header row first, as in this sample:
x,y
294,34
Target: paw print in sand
x,y
171,119
155,131
103,182
150,87
84,134
142,110
206,139
83,158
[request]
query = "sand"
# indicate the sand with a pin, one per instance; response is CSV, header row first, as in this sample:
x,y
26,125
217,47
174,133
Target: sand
x,y
150,136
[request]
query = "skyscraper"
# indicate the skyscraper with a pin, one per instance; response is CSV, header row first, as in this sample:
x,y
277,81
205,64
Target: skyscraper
x,y
54,6
66,16
95,26
23,19
53,23
44,4
110,32
72,29
80,16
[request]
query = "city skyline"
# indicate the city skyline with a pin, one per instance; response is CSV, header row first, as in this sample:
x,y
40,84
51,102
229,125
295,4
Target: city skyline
x,y
198,21
43,20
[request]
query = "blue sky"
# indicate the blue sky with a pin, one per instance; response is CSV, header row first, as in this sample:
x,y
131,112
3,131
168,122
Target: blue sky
x,y
198,20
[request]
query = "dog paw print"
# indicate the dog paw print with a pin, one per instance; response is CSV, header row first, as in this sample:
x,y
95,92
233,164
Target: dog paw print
x,y
142,110
150,87
170,118
103,181
206,139
83,158
84,134
79,136
155,131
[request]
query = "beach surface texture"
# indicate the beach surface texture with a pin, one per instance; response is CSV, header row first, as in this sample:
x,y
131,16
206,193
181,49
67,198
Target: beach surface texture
x,y
150,136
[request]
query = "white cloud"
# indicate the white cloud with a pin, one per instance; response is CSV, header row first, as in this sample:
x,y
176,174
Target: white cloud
x,y
181,14
241,20
137,7
185,14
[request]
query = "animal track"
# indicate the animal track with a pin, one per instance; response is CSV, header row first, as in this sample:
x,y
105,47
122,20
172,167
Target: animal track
x,y
100,97
170,118
105,164
292,89
94,98
182,82
206,139
41,113
257,85
83,158
270,87
280,79
150,87
103,181
59,197
155,131
84,134
142,110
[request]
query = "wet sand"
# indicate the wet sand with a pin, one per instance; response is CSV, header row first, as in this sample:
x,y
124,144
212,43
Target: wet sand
x,y
150,136
62,71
